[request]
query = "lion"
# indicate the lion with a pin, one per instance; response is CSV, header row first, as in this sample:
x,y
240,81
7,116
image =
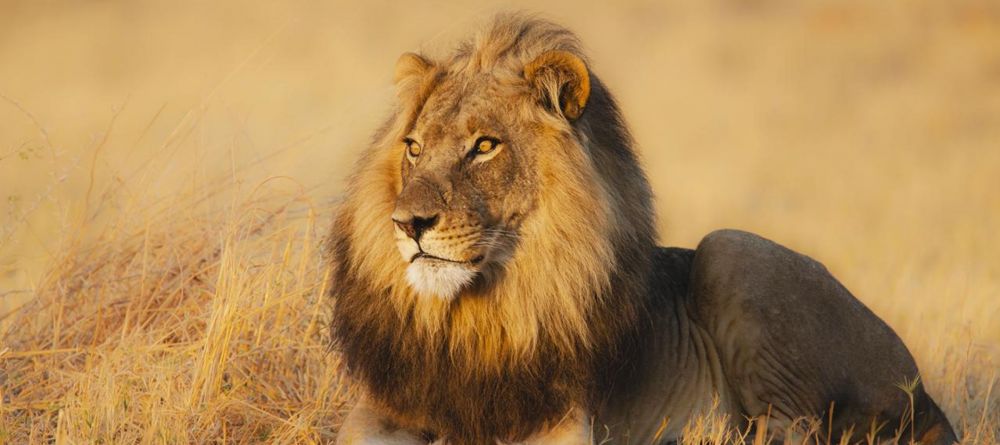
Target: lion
x,y
497,279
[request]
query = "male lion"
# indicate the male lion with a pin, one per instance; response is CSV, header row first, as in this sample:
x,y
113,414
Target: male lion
x,y
497,279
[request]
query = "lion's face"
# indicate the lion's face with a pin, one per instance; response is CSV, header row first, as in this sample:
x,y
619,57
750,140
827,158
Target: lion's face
x,y
470,165
468,179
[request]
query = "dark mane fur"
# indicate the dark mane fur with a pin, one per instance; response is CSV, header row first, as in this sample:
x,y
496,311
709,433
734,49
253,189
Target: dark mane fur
x,y
418,377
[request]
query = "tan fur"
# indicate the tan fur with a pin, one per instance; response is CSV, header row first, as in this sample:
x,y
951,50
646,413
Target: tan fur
x,y
561,215
516,294
494,330
555,67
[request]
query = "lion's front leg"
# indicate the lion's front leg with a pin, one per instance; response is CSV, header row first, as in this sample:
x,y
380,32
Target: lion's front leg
x,y
573,429
366,425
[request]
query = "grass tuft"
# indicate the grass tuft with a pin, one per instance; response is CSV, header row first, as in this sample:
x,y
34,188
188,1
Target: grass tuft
x,y
158,333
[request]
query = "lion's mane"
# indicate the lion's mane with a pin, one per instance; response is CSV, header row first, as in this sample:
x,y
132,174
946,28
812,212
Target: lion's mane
x,y
570,304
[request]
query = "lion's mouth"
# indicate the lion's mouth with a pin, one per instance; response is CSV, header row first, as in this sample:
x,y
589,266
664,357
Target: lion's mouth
x,y
426,256
441,277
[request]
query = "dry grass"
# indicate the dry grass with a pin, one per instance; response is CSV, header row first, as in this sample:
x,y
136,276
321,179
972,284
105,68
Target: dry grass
x,y
178,326
168,171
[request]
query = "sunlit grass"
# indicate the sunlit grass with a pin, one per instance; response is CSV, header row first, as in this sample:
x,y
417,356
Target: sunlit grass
x,y
178,326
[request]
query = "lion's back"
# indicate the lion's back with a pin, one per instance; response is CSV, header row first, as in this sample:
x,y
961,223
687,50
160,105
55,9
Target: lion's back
x,y
791,337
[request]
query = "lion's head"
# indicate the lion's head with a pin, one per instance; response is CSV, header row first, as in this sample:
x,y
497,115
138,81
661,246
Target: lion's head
x,y
488,223
475,159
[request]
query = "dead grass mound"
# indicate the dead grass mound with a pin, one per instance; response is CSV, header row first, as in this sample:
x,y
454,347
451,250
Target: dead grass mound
x,y
178,324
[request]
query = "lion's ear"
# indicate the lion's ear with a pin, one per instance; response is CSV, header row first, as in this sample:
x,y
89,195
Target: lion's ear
x,y
563,80
410,70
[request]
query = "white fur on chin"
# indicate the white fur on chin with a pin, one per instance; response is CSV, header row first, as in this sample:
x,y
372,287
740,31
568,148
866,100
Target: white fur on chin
x,y
438,279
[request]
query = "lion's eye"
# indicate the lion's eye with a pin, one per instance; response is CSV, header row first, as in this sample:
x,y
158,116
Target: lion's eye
x,y
486,145
412,147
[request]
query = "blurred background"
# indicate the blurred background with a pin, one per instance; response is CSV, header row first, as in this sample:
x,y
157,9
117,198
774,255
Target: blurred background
x,y
865,134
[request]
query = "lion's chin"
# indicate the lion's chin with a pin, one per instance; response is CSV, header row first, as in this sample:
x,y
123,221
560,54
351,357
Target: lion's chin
x,y
438,279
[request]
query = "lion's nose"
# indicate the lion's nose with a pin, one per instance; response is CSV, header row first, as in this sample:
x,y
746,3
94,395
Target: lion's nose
x,y
414,226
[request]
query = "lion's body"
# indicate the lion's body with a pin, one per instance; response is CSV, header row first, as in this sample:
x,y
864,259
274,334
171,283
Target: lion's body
x,y
755,329
530,299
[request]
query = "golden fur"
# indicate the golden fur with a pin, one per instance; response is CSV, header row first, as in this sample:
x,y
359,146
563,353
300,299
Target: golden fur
x,y
579,207
584,227
497,277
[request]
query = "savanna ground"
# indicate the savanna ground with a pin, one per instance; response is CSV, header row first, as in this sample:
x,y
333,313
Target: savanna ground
x,y
168,169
